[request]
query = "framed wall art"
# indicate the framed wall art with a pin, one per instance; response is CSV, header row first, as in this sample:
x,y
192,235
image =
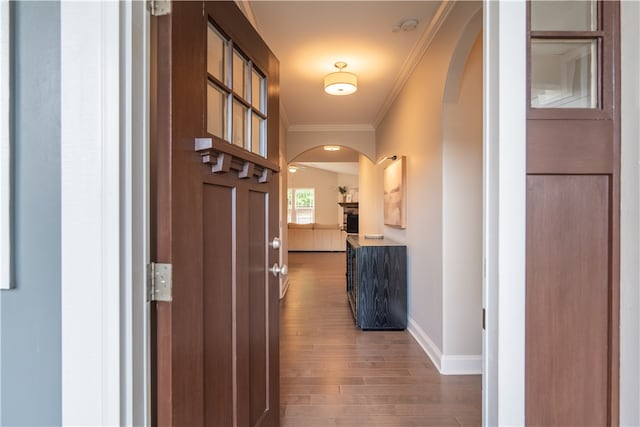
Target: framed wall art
x,y
395,193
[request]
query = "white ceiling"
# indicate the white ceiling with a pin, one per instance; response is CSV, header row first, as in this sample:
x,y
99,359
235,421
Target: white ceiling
x,y
308,37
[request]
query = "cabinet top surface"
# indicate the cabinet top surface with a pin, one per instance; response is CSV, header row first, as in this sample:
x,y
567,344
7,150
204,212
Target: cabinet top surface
x,y
357,240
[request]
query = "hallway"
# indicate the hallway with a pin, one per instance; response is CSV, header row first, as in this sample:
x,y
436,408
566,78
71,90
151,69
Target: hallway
x,y
332,374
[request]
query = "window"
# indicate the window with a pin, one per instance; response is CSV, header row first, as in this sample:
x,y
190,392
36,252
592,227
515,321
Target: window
x,y
301,207
236,95
564,54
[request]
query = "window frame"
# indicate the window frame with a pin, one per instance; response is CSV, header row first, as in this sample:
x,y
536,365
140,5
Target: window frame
x,y
292,209
602,34
235,98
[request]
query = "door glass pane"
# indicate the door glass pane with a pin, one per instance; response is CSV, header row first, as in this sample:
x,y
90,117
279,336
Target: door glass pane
x,y
573,15
216,54
240,125
257,91
564,73
257,134
239,75
216,111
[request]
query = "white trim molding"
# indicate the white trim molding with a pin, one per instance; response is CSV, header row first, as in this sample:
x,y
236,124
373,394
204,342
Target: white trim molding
x,y
90,212
461,365
5,146
504,222
425,342
445,364
629,214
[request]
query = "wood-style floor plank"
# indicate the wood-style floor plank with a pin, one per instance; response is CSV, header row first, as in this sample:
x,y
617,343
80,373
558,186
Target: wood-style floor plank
x,y
333,374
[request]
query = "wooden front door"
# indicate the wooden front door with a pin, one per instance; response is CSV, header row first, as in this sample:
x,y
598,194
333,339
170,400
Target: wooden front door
x,y
573,209
214,211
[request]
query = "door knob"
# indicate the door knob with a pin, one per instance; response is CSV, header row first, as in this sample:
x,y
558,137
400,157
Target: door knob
x,y
275,243
281,270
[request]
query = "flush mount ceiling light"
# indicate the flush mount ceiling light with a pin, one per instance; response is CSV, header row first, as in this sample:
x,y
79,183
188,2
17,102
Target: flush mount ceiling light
x,y
293,169
340,83
331,148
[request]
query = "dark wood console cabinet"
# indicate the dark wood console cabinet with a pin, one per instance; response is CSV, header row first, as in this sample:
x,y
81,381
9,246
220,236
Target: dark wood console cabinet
x,y
377,282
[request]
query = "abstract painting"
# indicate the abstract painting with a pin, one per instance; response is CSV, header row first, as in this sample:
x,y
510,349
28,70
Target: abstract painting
x,y
395,198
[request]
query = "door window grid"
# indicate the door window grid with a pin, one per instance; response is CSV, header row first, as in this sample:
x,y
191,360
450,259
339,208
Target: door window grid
x,y
565,53
236,95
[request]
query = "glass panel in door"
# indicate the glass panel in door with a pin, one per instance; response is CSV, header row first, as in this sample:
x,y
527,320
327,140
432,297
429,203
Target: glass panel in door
x,y
564,73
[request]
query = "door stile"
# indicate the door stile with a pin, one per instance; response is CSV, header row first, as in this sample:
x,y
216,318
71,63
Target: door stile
x,y
160,213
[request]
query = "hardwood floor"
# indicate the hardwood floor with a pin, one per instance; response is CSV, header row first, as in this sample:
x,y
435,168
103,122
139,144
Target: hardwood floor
x,y
333,374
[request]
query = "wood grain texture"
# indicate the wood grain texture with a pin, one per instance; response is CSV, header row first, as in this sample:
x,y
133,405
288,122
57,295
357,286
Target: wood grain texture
x,y
218,295
257,309
334,374
192,382
377,283
573,239
567,314
570,146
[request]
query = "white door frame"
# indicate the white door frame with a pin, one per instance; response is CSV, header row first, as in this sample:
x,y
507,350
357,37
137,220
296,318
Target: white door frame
x,y
504,218
104,212
629,214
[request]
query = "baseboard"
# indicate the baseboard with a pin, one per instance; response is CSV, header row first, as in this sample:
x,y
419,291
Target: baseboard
x,y
445,364
461,365
425,342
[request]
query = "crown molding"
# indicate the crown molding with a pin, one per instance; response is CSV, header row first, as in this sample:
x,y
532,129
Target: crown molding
x,y
414,57
332,128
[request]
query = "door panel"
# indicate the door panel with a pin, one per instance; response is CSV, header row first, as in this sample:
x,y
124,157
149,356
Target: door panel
x,y
216,342
219,300
573,208
258,308
567,289
570,146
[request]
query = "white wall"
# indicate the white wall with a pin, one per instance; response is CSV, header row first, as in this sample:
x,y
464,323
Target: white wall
x,y
413,128
326,186
630,212
369,197
462,214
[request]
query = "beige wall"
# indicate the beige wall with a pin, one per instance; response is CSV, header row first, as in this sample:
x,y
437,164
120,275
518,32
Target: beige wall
x,y
369,197
462,212
413,127
360,140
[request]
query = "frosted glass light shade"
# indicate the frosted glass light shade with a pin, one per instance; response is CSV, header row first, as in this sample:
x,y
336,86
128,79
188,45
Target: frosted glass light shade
x,y
340,83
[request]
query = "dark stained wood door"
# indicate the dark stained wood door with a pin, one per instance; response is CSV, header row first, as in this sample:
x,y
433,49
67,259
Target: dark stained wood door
x,y
573,206
214,211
